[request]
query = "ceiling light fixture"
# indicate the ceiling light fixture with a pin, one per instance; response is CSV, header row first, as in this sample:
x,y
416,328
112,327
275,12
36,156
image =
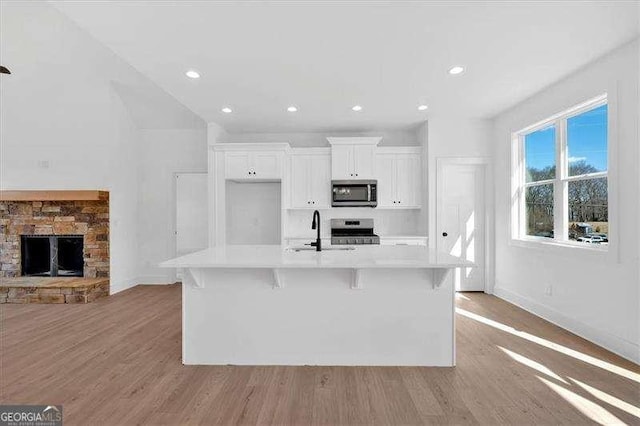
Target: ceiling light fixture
x,y
227,110
292,109
192,74
456,70
422,107
357,108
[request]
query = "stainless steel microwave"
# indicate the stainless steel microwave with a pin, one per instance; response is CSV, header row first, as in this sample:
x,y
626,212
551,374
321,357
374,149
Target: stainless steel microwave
x,y
354,193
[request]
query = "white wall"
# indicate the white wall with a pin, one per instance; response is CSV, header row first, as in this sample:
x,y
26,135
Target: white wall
x,y
162,154
449,137
73,103
595,296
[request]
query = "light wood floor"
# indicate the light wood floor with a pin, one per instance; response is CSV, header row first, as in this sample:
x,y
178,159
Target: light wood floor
x,y
117,361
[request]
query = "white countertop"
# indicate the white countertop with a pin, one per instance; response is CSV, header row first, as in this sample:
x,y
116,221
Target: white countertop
x,y
274,256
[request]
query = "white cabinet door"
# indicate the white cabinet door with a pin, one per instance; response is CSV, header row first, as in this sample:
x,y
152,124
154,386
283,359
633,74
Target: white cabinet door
x,y
385,166
342,162
364,158
300,174
320,181
237,165
403,241
408,180
266,165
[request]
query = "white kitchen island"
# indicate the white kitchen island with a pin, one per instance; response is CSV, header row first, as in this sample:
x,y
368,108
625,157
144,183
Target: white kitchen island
x,y
269,305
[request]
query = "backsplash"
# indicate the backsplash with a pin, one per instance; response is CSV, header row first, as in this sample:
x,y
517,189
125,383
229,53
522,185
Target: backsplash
x,y
386,221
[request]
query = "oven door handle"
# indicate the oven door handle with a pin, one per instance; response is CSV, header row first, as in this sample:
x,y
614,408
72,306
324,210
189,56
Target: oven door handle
x,y
368,192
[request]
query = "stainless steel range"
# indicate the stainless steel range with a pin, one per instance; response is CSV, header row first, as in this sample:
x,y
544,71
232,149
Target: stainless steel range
x,y
353,231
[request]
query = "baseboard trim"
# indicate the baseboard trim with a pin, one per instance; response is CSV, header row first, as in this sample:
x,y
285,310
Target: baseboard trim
x,y
122,285
615,344
155,280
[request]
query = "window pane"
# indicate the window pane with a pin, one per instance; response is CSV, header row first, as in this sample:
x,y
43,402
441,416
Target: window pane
x,y
587,142
589,211
539,210
540,154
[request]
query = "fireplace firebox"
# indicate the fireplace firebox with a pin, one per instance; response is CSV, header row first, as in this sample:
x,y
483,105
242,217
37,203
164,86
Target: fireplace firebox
x,y
52,255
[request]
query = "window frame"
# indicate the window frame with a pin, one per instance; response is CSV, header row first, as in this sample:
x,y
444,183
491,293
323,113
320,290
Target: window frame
x,y
560,182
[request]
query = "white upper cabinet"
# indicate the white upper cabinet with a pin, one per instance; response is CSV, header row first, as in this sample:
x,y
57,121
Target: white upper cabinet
x,y
386,168
267,164
399,177
353,157
253,164
311,178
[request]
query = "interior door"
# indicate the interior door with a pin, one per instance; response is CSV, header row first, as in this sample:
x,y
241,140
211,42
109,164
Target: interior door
x,y
461,220
191,212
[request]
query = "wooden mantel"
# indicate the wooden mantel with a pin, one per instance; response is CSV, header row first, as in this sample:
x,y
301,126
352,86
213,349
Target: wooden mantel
x,y
79,195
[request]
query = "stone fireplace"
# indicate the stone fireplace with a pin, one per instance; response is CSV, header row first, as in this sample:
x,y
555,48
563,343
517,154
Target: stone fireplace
x,y
88,219
54,246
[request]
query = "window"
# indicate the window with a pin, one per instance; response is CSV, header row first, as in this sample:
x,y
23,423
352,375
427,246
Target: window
x,y
561,181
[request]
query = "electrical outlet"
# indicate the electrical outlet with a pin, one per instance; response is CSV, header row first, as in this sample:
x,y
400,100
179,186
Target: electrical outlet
x,y
548,290
43,164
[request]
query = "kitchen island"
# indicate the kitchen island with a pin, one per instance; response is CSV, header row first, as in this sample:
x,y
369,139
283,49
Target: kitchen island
x,y
272,305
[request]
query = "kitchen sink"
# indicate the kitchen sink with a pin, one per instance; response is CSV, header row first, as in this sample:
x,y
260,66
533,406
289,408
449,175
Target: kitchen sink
x,y
296,249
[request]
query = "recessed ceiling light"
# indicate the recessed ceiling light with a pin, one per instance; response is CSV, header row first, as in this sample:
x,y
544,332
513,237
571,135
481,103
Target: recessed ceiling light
x,y
227,110
422,107
357,108
292,109
193,74
456,70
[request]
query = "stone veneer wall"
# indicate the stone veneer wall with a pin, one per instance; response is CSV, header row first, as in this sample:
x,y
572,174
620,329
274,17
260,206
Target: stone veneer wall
x,y
88,218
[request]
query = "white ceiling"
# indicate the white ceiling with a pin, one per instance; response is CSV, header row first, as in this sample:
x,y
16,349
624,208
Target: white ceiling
x,y
324,57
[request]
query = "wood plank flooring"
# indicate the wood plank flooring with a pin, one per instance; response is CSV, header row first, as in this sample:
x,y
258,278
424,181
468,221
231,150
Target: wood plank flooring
x,y
117,362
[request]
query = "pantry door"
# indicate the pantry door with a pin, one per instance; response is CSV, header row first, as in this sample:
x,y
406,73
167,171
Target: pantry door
x,y
460,223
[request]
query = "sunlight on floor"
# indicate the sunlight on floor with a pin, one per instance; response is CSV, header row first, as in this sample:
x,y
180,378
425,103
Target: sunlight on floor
x,y
551,345
586,407
461,296
533,364
609,399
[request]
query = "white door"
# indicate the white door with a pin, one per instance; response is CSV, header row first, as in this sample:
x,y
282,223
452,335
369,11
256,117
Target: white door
x,y
461,220
191,212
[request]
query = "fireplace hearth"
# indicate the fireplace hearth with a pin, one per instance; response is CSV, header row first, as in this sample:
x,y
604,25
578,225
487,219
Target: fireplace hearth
x,y
52,255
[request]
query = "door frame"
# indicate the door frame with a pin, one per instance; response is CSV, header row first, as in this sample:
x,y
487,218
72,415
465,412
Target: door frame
x,y
489,243
174,213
